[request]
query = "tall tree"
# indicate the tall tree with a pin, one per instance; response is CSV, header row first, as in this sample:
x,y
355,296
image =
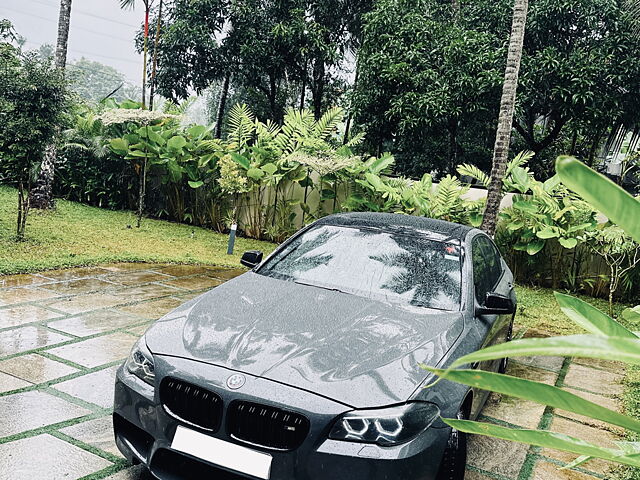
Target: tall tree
x,y
505,117
426,87
41,196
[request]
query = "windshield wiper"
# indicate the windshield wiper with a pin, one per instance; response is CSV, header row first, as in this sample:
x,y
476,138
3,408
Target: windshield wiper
x,y
332,289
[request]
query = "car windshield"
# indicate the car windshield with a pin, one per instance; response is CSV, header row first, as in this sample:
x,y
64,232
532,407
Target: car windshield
x,y
400,268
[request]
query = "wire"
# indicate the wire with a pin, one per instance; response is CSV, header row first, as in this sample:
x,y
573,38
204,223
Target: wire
x,y
84,12
90,53
73,26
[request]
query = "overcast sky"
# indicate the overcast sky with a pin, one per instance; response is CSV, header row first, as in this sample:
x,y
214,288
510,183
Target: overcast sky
x,y
100,30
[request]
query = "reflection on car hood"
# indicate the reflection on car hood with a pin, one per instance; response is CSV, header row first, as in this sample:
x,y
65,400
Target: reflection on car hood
x,y
353,350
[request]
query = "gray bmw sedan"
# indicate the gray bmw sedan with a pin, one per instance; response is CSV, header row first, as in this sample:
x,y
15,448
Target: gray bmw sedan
x,y
308,366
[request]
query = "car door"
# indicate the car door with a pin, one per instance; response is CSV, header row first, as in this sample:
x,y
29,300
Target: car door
x,y
490,274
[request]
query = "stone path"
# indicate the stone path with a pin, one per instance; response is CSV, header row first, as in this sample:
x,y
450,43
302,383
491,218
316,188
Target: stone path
x,y
64,333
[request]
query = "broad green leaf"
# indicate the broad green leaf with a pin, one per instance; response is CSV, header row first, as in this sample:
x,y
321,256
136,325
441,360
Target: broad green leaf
x,y
196,131
269,168
475,219
517,225
197,184
375,181
241,160
590,318
138,153
156,138
557,441
629,448
547,233
535,246
537,392
525,206
176,142
255,173
521,178
568,242
551,184
604,195
377,165
119,145
587,346
132,138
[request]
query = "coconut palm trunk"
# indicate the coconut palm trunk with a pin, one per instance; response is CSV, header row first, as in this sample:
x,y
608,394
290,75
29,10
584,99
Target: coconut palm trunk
x,y
505,117
154,61
224,93
41,196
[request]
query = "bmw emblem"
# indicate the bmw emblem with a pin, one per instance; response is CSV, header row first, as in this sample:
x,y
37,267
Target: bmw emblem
x,y
235,381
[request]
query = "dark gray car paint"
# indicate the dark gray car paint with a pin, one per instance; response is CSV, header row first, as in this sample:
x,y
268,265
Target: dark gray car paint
x,y
356,351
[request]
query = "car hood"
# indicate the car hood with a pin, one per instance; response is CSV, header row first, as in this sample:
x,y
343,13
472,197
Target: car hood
x,y
353,350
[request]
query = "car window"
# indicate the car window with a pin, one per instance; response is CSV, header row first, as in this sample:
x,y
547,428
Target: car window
x,y
395,267
487,268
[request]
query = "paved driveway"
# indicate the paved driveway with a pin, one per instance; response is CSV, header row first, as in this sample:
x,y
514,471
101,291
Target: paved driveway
x,y
64,333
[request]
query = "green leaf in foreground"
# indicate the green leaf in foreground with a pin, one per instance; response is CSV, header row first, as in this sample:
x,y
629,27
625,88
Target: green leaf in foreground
x,y
590,318
537,392
586,346
557,441
607,197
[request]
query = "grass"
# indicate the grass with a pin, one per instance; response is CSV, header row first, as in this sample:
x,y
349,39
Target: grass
x,y
537,308
77,235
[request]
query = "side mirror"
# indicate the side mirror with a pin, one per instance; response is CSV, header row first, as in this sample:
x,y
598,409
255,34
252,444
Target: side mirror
x,y
251,258
496,304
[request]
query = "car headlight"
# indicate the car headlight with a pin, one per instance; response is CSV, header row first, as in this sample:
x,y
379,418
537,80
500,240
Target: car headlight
x,y
385,426
140,362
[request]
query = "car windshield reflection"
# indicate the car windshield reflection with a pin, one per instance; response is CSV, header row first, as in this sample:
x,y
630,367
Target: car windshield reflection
x,y
394,267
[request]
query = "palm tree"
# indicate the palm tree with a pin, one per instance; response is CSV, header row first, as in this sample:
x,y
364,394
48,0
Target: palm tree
x,y
130,4
41,195
505,117
154,60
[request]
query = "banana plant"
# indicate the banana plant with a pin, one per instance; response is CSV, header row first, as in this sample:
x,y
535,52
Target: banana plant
x,y
605,339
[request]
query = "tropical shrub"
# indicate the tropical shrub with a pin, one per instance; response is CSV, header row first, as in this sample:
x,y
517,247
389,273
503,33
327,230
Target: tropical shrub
x,y
33,98
606,339
619,251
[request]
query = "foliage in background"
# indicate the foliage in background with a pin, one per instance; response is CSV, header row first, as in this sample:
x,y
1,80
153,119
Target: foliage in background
x,y
428,88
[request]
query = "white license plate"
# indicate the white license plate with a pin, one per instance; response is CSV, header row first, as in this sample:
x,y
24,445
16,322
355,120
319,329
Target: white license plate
x,y
224,454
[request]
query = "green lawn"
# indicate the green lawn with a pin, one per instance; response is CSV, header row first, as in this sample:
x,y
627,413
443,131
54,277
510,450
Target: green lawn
x,y
76,235
537,308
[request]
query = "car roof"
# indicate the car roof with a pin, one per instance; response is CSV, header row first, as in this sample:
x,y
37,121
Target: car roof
x,y
394,221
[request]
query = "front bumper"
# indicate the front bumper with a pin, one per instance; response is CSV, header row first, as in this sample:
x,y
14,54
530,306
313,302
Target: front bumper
x,y
144,432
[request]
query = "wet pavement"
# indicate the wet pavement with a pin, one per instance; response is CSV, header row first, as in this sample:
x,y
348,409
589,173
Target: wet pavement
x,y
64,333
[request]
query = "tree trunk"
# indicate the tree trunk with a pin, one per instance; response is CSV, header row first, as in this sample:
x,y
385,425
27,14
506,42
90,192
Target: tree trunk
x,y
144,57
318,87
222,105
505,118
142,191
155,57
303,90
347,127
41,196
